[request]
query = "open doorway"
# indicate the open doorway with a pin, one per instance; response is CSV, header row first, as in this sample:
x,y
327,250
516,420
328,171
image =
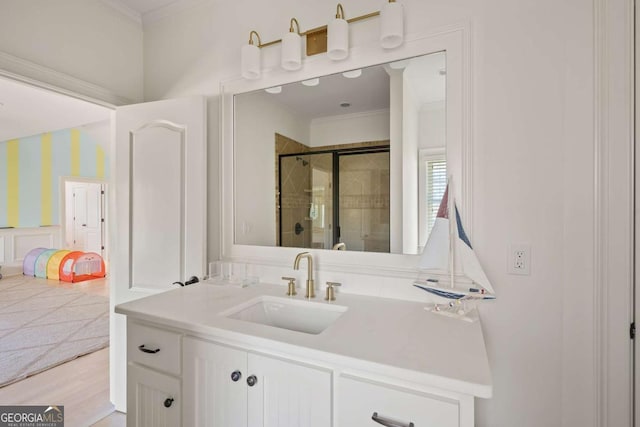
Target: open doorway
x,y
53,146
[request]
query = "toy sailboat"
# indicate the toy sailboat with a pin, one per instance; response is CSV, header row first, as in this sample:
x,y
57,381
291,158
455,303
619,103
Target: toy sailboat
x,y
453,270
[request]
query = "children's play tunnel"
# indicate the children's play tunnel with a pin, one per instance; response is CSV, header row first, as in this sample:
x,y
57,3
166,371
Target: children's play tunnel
x,y
65,265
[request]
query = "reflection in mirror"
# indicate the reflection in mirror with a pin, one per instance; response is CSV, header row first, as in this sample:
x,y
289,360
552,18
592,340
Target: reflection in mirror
x,y
352,161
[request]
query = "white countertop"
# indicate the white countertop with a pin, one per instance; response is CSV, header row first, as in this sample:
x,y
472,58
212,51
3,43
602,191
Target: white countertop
x,y
393,337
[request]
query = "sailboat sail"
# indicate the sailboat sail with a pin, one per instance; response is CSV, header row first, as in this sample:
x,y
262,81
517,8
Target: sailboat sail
x,y
448,251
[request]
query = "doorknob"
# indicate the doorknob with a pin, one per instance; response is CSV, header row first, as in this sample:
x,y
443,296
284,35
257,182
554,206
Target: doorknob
x,y
84,225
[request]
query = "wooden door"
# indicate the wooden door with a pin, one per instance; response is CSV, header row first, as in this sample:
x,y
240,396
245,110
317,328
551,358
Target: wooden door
x,y
158,217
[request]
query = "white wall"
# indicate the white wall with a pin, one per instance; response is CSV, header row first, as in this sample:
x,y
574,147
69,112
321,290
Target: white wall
x,y
532,105
433,120
258,120
85,39
350,128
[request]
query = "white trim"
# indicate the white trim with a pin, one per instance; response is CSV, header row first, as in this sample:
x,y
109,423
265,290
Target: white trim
x,y
36,75
613,209
346,117
125,9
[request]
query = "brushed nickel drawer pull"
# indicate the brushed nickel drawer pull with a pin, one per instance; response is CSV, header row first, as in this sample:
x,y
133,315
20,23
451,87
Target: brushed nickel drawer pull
x,y
147,350
390,423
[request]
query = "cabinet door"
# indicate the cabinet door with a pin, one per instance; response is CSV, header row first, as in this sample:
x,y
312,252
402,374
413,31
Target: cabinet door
x,y
287,394
212,397
358,400
153,399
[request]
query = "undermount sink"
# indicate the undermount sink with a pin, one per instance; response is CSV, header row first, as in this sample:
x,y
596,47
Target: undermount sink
x,y
295,315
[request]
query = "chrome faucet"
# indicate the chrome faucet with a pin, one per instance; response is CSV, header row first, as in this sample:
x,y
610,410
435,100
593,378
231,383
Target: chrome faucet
x,y
296,266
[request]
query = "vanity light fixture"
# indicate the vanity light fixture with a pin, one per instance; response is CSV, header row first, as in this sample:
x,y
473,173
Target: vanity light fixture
x,y
391,25
311,82
352,74
292,48
332,38
338,36
274,90
250,54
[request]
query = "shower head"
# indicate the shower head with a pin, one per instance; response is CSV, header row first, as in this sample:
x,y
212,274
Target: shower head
x,y
300,159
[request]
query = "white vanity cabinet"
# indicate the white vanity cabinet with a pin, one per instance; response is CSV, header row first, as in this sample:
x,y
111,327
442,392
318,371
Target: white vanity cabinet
x,y
153,382
361,402
190,364
230,387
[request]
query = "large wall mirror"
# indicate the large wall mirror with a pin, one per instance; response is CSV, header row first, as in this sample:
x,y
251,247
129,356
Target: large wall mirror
x,y
348,160
319,152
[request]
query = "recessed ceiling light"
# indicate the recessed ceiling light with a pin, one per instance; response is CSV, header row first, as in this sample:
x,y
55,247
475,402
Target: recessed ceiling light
x,y
352,74
345,104
311,82
275,89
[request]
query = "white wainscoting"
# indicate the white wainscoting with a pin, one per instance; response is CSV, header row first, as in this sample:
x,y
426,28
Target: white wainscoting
x,y
15,243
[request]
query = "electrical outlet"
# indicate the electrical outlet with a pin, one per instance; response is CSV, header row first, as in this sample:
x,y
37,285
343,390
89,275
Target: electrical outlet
x,y
519,259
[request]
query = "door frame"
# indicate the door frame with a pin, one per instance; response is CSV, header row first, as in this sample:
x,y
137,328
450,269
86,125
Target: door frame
x,y
615,191
104,208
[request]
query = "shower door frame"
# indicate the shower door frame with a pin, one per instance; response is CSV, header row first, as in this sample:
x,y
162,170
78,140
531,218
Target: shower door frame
x,y
335,191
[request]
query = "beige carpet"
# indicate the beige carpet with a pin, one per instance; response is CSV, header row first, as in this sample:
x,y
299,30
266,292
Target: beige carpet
x,y
43,326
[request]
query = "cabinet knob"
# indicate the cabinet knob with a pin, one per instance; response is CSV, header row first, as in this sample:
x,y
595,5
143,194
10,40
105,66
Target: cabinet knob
x,y
168,402
252,380
236,375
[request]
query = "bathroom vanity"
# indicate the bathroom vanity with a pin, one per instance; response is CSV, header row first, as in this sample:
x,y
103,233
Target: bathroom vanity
x,y
209,355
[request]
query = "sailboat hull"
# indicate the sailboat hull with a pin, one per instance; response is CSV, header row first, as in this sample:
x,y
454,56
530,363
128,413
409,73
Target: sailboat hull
x,y
452,293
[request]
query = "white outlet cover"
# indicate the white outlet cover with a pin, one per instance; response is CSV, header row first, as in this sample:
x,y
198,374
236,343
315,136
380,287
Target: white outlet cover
x,y
512,262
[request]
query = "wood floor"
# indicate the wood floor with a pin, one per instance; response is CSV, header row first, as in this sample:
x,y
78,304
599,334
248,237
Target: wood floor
x,y
81,385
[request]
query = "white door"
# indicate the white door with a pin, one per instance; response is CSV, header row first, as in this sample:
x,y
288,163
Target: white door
x,y
87,217
154,398
158,212
285,394
214,385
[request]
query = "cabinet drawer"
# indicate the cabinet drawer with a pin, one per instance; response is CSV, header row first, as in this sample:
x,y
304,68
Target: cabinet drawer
x,y
154,347
358,400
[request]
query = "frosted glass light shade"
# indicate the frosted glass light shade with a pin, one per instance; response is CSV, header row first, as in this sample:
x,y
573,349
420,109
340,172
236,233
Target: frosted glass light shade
x,y
338,39
250,62
391,25
291,51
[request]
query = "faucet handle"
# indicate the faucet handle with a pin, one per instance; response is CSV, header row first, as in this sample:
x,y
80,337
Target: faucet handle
x,y
291,291
330,292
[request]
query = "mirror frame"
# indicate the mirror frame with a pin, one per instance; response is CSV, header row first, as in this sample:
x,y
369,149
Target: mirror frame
x,y
456,42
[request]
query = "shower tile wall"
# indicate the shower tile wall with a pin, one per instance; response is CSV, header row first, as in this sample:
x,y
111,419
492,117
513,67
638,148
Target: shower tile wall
x,y
364,202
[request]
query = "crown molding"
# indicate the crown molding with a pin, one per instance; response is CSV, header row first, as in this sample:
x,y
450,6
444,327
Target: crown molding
x,y
125,9
171,9
37,75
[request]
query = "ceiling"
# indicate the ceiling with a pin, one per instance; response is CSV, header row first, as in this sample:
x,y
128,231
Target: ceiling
x,y
368,92
27,110
146,6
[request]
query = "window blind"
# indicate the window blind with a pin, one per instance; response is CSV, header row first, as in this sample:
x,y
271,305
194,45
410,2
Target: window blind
x,y
436,185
